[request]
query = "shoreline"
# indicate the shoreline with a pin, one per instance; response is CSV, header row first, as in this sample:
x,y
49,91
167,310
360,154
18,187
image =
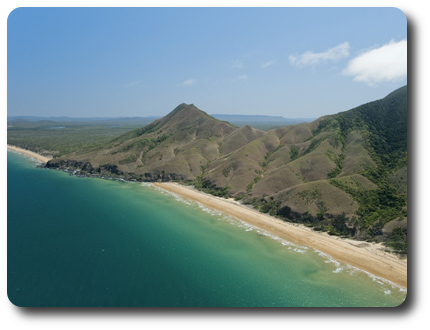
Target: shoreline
x,y
32,154
369,257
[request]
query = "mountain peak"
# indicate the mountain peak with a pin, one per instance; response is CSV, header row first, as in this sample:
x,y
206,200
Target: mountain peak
x,y
180,107
189,113
184,106
184,110
339,161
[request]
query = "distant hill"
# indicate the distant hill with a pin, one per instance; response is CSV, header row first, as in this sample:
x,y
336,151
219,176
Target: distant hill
x,y
261,121
345,173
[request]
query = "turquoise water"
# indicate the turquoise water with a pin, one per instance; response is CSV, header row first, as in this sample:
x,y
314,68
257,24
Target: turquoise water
x,y
93,242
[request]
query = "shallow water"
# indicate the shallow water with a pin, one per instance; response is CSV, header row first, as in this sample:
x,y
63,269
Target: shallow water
x,y
93,242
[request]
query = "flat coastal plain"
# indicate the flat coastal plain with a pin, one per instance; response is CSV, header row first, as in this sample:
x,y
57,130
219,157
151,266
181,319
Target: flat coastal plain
x,y
366,256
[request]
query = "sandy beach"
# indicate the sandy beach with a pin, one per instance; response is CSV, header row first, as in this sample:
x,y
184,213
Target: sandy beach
x,y
369,257
32,154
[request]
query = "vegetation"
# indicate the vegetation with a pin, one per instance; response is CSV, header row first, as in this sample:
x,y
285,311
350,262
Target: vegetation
x,y
377,207
383,124
57,138
226,171
294,152
336,171
344,174
398,240
205,185
313,145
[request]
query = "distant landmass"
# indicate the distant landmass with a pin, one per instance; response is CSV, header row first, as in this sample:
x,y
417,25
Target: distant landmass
x,y
258,121
261,121
345,174
76,119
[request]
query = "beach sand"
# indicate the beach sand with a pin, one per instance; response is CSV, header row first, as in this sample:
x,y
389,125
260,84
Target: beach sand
x,y
369,257
366,256
32,154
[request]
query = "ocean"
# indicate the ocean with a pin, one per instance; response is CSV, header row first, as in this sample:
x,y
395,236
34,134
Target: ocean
x,y
88,242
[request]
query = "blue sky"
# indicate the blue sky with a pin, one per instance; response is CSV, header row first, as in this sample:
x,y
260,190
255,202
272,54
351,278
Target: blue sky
x,y
292,62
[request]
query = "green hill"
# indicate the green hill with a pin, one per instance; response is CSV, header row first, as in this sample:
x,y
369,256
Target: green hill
x,y
344,173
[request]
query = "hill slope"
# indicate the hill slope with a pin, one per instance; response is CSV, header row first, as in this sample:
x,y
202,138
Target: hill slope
x,y
344,173
174,147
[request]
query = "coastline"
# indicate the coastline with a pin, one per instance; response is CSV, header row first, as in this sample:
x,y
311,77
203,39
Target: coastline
x,y
32,154
369,257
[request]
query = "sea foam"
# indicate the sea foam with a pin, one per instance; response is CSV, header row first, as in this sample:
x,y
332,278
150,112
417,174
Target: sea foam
x,y
292,247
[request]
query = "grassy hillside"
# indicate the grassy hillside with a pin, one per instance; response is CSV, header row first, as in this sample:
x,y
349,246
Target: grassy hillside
x,y
176,146
344,173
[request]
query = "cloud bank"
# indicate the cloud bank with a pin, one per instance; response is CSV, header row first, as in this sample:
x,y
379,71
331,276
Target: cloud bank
x,y
188,82
384,64
267,64
310,58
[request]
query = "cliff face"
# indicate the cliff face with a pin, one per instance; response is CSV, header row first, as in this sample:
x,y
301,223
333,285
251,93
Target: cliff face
x,y
345,165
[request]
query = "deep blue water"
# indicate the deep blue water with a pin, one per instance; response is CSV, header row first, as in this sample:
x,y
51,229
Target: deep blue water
x,y
93,242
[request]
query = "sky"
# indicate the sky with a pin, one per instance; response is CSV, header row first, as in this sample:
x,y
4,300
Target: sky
x,y
126,62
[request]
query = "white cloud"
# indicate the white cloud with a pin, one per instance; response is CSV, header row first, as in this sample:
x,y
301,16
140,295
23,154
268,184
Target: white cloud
x,y
242,77
267,64
384,64
188,82
310,58
237,65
